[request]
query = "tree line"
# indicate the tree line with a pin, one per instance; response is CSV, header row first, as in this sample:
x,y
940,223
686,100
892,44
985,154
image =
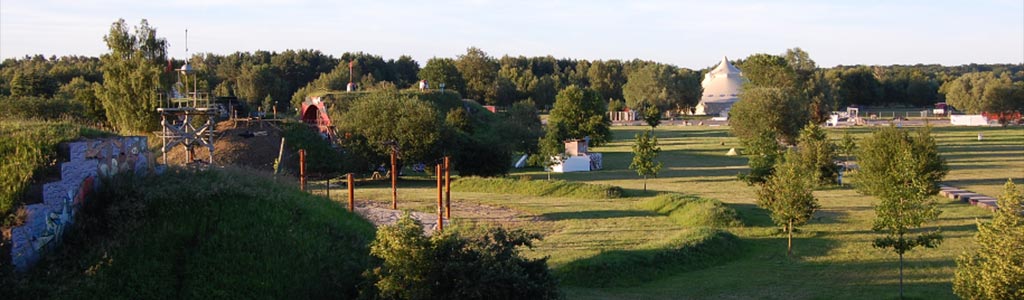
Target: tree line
x,y
263,79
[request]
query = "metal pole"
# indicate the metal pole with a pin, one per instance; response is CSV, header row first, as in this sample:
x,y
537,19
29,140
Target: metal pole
x,y
302,169
351,195
447,189
394,181
440,208
328,186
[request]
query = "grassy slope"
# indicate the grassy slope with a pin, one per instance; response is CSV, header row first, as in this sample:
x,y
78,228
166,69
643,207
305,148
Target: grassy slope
x,y
833,253
209,234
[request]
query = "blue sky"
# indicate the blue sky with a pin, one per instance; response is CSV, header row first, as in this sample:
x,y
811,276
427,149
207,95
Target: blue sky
x,y
692,34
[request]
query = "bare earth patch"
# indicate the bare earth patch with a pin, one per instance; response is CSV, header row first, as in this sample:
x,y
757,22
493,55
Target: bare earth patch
x,y
380,214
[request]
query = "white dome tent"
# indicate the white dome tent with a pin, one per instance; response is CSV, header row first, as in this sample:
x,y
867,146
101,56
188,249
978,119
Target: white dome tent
x,y
721,89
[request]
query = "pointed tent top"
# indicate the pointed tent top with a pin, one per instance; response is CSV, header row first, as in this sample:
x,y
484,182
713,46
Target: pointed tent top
x,y
725,67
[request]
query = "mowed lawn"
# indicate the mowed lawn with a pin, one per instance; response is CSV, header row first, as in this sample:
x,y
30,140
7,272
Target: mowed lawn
x,y
833,254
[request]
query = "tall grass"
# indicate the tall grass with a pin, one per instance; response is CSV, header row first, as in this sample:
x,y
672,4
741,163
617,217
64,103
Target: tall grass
x,y
544,188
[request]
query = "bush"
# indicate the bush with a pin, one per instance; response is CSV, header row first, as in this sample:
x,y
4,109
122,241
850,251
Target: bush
x,y
691,211
485,265
691,250
543,188
208,234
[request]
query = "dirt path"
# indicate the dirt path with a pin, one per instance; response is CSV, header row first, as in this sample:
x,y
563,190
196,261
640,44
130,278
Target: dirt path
x,y
380,213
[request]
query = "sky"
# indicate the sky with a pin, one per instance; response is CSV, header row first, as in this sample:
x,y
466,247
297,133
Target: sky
x,y
692,34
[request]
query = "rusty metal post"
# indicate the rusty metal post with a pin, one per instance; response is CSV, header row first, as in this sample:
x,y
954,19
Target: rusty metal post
x,y
447,189
351,195
440,208
394,181
302,169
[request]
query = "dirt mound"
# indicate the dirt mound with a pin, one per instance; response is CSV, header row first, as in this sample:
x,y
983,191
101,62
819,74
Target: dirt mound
x,y
253,145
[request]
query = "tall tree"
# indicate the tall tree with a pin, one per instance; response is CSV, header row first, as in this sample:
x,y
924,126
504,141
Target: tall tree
x,y
778,109
385,117
661,85
902,171
580,113
480,72
995,270
131,76
645,151
788,196
766,70
439,71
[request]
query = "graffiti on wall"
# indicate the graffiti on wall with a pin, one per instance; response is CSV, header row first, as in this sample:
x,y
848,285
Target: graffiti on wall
x,y
47,222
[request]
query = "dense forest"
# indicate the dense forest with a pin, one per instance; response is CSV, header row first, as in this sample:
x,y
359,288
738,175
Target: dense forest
x,y
51,87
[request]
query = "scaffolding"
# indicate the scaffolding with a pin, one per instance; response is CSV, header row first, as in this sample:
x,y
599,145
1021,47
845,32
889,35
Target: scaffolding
x,y
182,119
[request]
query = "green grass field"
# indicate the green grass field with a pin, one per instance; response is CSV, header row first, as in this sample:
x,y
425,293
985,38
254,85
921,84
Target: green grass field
x,y
833,253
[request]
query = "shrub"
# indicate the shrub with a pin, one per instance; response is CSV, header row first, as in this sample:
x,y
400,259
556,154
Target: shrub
x,y
543,188
485,265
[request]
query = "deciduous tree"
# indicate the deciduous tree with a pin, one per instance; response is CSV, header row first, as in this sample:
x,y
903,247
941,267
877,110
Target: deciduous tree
x,y
580,113
995,270
645,151
902,171
788,196
132,76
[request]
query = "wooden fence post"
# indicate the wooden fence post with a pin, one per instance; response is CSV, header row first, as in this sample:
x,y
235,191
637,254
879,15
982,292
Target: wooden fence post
x,y
440,208
302,169
394,181
351,195
447,189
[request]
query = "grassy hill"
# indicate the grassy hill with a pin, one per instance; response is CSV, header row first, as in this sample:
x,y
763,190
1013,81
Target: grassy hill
x,y
206,234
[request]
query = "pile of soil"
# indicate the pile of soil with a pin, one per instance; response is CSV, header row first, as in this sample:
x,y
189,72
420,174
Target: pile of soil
x,y
251,144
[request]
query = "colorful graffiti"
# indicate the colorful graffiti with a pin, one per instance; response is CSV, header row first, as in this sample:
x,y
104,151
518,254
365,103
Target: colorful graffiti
x,y
46,222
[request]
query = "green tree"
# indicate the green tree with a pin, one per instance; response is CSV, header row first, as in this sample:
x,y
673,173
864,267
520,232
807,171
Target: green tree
x,y
386,116
902,171
818,153
781,110
763,151
663,86
788,196
442,71
524,121
801,63
481,265
580,113
480,72
766,70
967,93
645,151
1004,100
132,76
995,270
652,115
551,148
81,91
849,147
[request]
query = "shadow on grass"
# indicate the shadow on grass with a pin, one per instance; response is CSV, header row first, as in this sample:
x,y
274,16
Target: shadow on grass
x,y
596,214
693,250
752,215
